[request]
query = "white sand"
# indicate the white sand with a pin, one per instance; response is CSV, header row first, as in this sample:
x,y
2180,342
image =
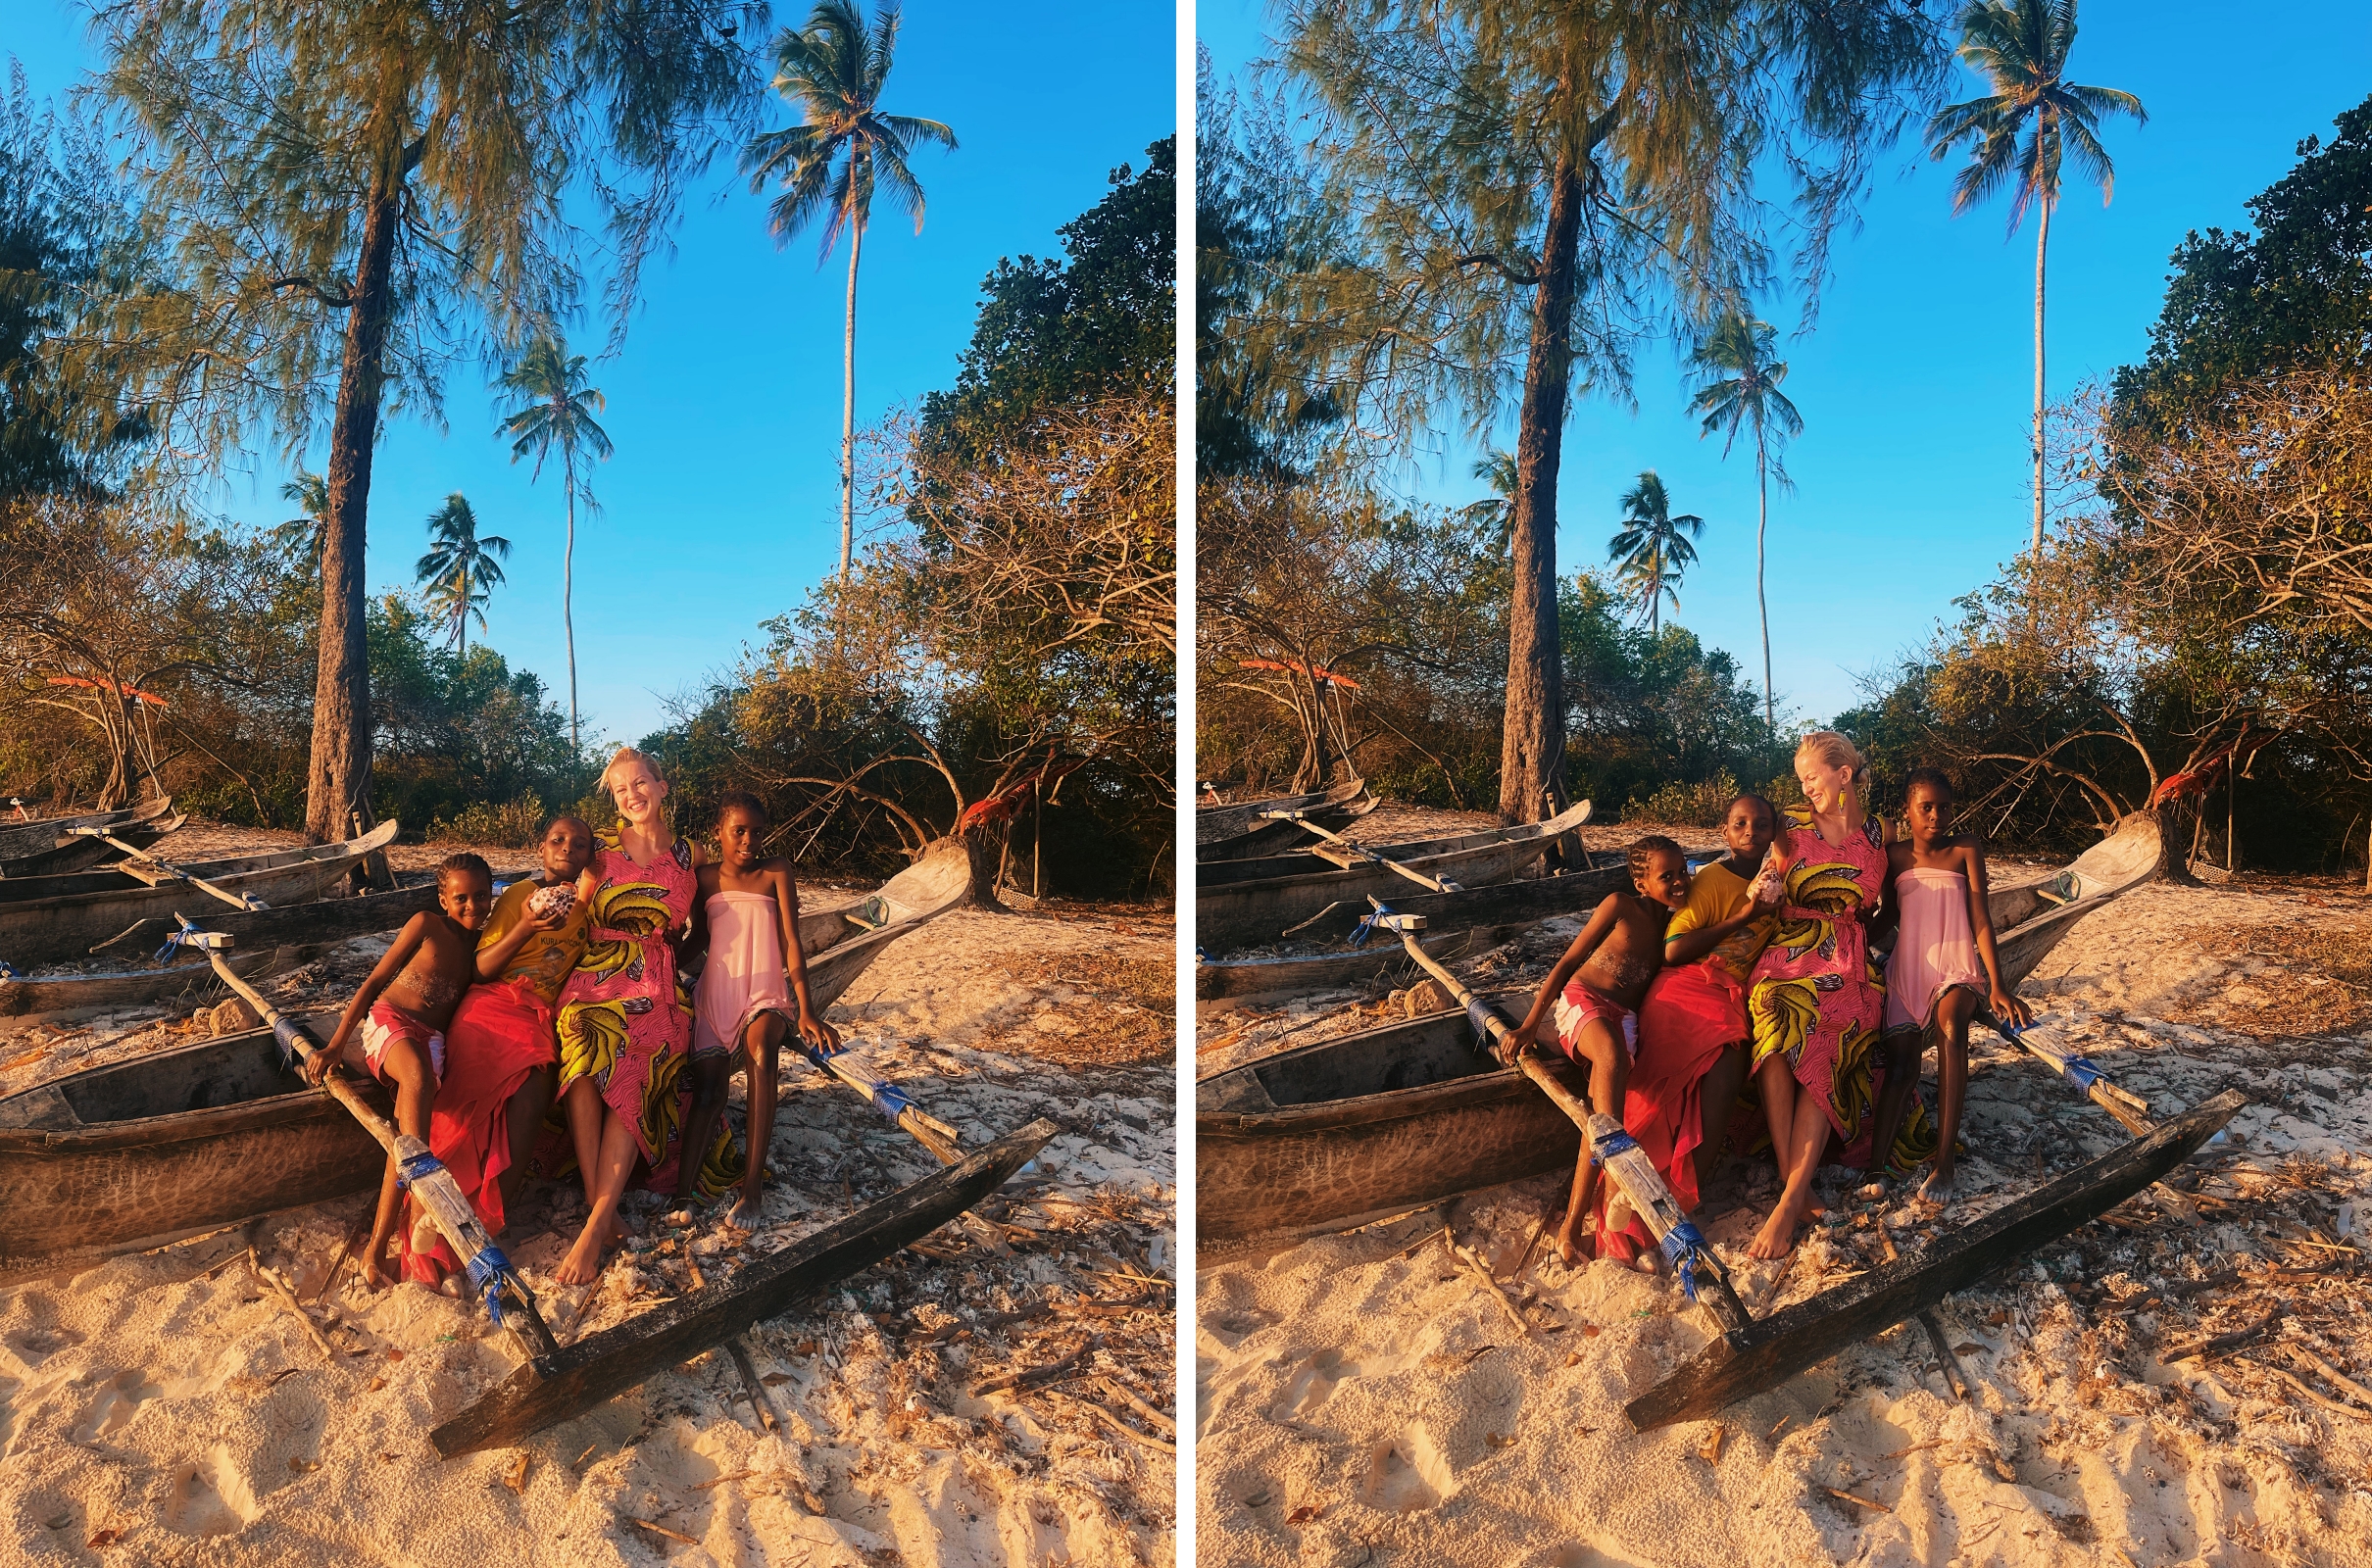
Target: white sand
x,y
173,1418
1359,1406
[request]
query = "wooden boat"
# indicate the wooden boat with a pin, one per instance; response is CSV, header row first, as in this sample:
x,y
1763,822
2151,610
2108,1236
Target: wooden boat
x,y
46,833
1382,1120
77,854
54,918
146,1151
138,1152
1245,833
1464,922
1239,904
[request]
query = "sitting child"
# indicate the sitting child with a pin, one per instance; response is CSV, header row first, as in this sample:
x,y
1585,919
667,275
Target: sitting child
x,y
500,1053
400,1014
1943,968
1596,990
746,915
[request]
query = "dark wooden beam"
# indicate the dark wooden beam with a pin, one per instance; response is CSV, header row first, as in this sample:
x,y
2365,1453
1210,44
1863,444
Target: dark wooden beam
x,y
555,1388
1506,904
1747,1361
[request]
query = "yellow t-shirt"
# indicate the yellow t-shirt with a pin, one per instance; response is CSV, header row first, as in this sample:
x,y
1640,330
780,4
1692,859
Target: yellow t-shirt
x,y
1714,895
545,958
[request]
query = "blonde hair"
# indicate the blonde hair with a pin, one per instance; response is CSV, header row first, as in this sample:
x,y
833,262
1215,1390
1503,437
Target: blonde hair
x,y
1835,751
627,754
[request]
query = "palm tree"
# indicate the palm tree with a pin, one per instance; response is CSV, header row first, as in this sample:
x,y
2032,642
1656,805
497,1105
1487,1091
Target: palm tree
x,y
556,409
827,167
1652,551
309,493
1495,510
460,569
1745,388
2021,47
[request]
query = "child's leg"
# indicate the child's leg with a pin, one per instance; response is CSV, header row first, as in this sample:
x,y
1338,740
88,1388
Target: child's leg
x,y
1901,1052
761,1042
1953,1016
613,1165
1717,1097
404,1067
526,1123
712,1075
1799,1153
1609,1069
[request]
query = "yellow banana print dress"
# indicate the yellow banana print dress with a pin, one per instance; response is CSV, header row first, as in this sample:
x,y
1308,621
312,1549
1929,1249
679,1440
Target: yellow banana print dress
x,y
1818,1000
622,1021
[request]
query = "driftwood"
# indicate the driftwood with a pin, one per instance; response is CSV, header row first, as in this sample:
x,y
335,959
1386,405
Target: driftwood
x,y
1747,1361
554,1387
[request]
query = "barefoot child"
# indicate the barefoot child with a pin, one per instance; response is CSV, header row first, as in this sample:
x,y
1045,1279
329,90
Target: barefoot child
x,y
747,916
1595,992
1943,966
501,1054
401,1012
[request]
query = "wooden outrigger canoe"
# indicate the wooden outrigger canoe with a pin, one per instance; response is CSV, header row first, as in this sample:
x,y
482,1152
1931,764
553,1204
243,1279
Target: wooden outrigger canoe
x,y
46,833
1245,832
1383,1120
1463,922
137,1152
57,919
1240,904
73,851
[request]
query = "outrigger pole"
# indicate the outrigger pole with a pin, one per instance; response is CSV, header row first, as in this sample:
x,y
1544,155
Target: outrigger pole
x,y
1346,852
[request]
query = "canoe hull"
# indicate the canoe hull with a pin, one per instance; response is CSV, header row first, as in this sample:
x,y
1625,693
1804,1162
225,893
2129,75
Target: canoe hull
x,y
1265,1170
32,838
1247,835
70,852
229,1136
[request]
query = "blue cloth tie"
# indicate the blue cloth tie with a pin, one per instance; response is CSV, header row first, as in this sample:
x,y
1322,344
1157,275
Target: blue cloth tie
x,y
288,1033
412,1170
490,1271
1480,1016
174,941
1366,927
1682,1245
2081,1071
1618,1143
8,973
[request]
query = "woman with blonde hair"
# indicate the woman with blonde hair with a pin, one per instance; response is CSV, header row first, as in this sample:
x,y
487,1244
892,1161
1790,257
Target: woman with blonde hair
x,y
624,1034
1816,1001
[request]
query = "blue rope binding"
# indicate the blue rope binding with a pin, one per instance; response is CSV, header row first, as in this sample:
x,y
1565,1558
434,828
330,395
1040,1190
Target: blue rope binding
x,y
489,1272
410,1171
1366,927
1682,1245
286,1032
1480,1015
173,942
1602,1151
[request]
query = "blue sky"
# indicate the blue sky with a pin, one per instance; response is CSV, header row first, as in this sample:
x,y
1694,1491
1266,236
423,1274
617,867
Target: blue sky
x,y
721,506
1917,390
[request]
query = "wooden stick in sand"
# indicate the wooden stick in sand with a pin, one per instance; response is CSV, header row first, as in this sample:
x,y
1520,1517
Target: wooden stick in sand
x,y
1952,1372
1349,852
1482,1272
760,1404
1624,1160
166,872
432,1186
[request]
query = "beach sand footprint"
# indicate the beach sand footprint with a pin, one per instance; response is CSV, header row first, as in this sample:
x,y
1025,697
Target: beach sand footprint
x,y
1408,1475
1311,1381
119,1399
210,1497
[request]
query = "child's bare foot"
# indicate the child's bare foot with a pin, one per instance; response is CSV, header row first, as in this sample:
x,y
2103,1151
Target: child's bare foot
x,y
1777,1237
1940,1186
1877,1191
375,1270
1573,1250
582,1265
744,1215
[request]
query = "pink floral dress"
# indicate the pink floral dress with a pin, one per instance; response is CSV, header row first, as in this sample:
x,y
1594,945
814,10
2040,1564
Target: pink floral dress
x,y
624,1021
1818,1000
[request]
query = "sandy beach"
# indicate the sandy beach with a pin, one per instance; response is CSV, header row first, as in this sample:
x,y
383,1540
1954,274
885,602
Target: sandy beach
x,y
1362,1399
171,1408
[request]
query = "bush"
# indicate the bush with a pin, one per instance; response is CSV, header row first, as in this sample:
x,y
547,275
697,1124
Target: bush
x,y
517,824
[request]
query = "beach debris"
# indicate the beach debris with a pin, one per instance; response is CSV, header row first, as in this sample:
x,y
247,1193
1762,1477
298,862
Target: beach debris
x,y
1863,1503
516,1478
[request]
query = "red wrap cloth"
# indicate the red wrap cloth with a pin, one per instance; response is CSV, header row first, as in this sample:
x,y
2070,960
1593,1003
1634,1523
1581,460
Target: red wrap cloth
x,y
499,1034
1691,1013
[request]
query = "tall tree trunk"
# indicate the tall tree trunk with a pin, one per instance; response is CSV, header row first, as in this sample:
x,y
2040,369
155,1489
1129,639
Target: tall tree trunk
x,y
2042,242
1532,745
568,587
1762,605
1655,598
337,784
848,407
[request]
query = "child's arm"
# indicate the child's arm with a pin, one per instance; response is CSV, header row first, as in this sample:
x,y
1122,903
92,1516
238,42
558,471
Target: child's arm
x,y
811,1027
2005,1006
1600,923
1692,943
493,960
407,943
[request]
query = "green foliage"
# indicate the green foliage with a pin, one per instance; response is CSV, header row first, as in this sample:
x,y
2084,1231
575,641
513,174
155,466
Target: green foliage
x,y
2022,132
461,569
1652,550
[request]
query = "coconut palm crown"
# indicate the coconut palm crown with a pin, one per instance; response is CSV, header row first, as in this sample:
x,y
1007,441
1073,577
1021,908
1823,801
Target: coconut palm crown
x,y
829,166
309,493
1652,550
462,567
1495,510
1743,390
2022,132
555,410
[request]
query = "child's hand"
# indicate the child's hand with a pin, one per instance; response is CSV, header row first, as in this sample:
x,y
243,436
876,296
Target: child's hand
x,y
815,1032
2010,1010
318,1066
1523,1037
